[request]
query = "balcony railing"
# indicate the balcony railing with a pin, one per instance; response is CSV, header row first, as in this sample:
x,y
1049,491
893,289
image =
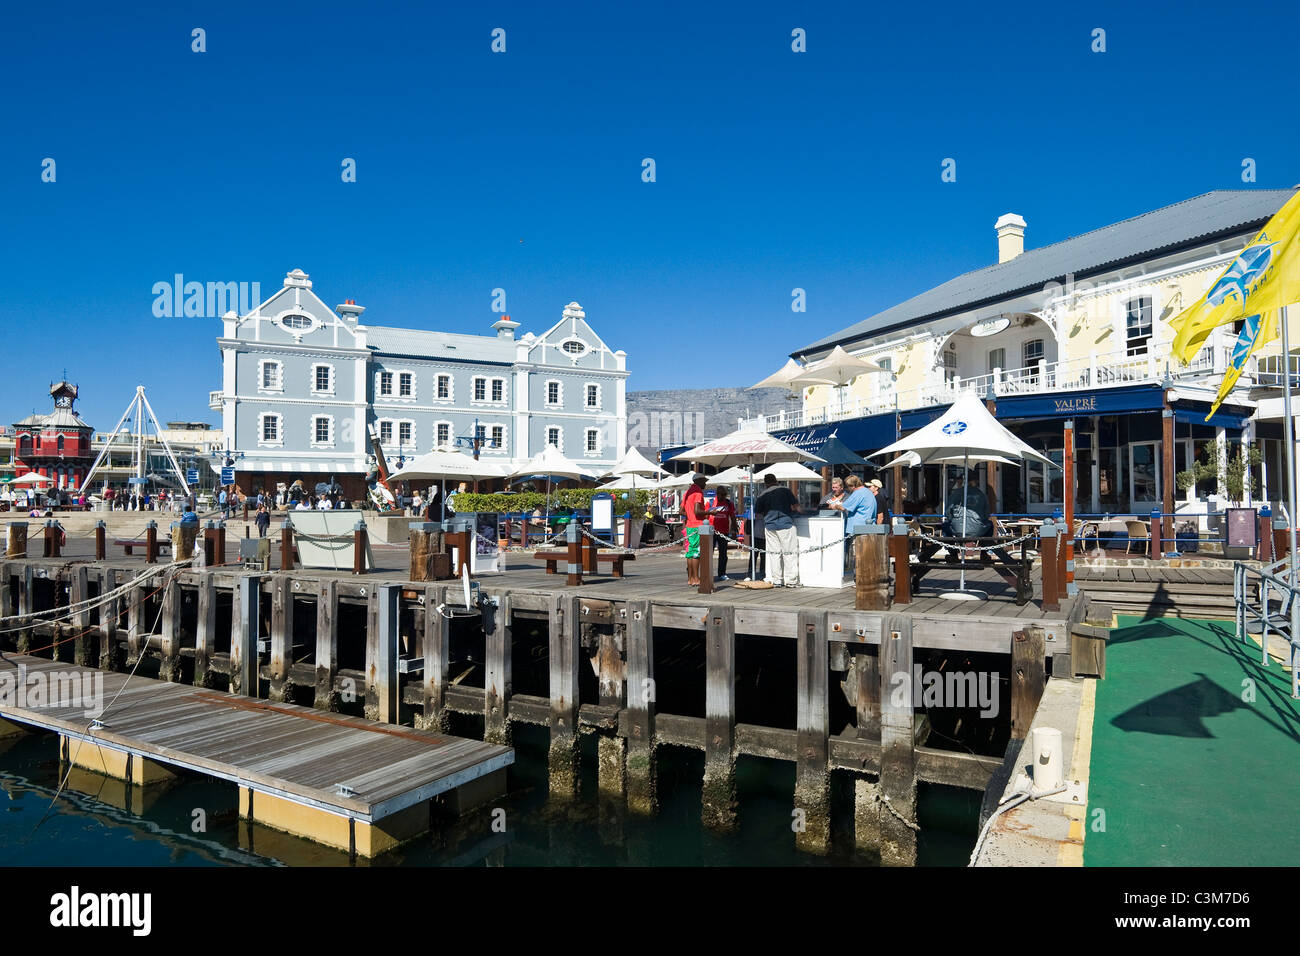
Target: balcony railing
x,y
215,400
1106,370
1267,371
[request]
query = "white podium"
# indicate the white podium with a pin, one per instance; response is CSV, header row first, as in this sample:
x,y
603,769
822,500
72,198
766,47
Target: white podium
x,y
823,568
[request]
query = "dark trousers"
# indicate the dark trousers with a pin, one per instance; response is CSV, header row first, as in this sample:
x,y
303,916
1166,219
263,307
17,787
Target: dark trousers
x,y
722,556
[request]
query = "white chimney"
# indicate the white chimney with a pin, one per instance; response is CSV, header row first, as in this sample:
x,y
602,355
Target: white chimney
x,y
505,328
350,311
1011,236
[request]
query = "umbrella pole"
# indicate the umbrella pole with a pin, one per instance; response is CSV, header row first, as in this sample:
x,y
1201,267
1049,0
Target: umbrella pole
x,y
965,497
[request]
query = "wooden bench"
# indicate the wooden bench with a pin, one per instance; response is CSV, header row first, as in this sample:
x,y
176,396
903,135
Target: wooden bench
x,y
613,558
127,544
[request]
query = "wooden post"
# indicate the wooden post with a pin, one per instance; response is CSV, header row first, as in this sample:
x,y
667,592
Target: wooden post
x,y
359,548
706,558
382,638
245,624
611,747
219,547
286,546
719,793
900,550
80,593
424,538
642,795
1065,549
498,680
17,546
48,543
109,615
281,638
562,759
871,568
590,549
1167,466
897,744
1047,560
868,808
435,648
327,645
134,624
812,788
898,489
1028,677
171,623
205,632
573,558
101,545
459,542
151,542
1265,538
26,595
6,590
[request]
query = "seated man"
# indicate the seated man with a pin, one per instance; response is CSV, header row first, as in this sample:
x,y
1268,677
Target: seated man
x,y
971,519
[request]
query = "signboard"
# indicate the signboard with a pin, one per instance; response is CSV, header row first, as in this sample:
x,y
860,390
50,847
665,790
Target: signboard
x,y
487,542
192,476
1241,529
325,539
227,476
989,327
602,514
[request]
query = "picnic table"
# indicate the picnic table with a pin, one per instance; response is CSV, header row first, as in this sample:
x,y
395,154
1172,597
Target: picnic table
x,y
995,553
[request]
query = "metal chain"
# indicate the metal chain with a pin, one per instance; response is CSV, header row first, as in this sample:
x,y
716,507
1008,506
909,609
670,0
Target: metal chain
x,y
992,547
821,547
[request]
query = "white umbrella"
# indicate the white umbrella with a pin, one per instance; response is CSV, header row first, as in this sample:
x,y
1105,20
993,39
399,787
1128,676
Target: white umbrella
x,y
789,471
735,475
838,369
443,464
966,430
676,481
629,483
550,464
30,478
911,459
782,377
633,462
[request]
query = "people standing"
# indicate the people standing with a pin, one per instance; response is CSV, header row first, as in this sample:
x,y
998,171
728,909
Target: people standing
x,y
859,505
778,506
263,520
722,516
837,493
884,515
695,513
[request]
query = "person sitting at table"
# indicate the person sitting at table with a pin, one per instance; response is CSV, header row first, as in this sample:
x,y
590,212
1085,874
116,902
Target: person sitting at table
x,y
968,516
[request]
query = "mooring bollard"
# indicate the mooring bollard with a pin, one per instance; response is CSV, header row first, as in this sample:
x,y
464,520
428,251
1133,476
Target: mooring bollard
x,y
286,545
1155,546
706,558
1047,559
1265,535
151,542
359,548
101,545
871,568
901,553
574,557
221,543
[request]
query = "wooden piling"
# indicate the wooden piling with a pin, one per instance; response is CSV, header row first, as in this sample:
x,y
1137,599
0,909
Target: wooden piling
x,y
611,746
135,616
286,546
81,593
17,546
718,800
642,795
498,681
205,631
101,544
435,647
281,638
6,589
897,744
359,548
151,542
327,645
381,653
573,557
706,558
170,628
1047,561
109,615
871,568
219,559
562,759
1028,677
26,595
900,552
812,788
245,624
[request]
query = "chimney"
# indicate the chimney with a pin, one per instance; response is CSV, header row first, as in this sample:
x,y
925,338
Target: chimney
x,y
350,311
505,328
1011,236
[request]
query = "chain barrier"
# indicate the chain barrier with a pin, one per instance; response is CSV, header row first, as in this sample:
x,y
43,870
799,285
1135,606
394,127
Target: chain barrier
x,y
1001,545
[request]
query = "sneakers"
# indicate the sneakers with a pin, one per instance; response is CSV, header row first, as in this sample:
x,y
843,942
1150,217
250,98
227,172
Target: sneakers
x,y
723,577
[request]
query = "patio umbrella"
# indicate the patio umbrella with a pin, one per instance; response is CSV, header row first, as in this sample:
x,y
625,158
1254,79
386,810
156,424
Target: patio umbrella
x,y
31,478
631,466
550,464
782,377
735,475
789,471
442,464
838,369
965,431
749,448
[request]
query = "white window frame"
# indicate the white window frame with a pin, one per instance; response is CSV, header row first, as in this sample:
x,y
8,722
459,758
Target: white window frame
x,y
297,333
547,436
278,388
600,397
451,433
329,425
1150,337
505,394
411,397
329,390
451,387
379,430
573,357
546,393
379,383
473,390
587,451
409,442
488,428
502,446
278,441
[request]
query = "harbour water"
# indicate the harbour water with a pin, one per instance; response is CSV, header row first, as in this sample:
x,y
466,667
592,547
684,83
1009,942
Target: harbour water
x,y
94,822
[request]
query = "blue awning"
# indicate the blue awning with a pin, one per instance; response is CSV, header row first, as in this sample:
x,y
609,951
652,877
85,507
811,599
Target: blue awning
x,y
866,434
1082,402
1194,413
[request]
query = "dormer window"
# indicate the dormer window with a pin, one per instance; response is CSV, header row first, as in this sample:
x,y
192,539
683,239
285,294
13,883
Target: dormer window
x,y
574,348
296,322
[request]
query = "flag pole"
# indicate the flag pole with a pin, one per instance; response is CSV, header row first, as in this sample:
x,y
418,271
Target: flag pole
x,y
1289,436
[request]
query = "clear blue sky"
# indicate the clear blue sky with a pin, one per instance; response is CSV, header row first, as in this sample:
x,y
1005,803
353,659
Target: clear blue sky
x,y
522,170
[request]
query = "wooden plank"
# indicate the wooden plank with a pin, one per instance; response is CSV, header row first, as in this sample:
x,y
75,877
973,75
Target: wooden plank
x,y
436,650
562,760
327,645
281,635
718,801
109,616
642,795
1028,677
382,637
897,745
498,680
80,593
245,621
205,630
171,652
812,794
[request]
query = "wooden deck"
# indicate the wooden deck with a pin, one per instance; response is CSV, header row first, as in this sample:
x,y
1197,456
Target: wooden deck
x,y
295,753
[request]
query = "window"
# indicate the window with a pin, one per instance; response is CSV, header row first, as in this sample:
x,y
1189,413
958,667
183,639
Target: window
x,y
593,441
553,438
321,429
480,390
574,347
1137,325
323,378
554,393
385,432
405,385
443,433
498,389
405,432
480,434
296,322
385,383
997,359
270,428
1033,352
593,396
271,372
498,436
60,444
949,366
444,387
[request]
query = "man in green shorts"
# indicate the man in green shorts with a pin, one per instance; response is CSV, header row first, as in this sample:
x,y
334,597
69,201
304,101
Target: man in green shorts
x,y
695,513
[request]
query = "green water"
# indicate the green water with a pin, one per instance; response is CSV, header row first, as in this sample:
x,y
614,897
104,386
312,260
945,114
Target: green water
x,y
85,828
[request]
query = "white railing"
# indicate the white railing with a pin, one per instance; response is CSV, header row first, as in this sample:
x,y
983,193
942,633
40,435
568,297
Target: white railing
x,y
214,399
1107,370
1267,370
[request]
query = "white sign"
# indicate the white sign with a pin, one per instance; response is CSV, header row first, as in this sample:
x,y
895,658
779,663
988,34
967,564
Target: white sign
x,y
990,327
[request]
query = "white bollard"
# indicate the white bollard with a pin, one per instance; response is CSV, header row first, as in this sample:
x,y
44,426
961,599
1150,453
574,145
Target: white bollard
x,y
1049,762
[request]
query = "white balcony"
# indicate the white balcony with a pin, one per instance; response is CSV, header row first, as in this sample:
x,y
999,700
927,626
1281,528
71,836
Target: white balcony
x,y
215,400
1106,370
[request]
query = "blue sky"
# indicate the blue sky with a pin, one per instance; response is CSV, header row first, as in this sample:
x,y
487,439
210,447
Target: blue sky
x,y
522,170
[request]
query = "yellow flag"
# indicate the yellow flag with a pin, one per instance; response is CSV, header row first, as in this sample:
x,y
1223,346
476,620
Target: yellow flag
x,y
1256,332
1264,276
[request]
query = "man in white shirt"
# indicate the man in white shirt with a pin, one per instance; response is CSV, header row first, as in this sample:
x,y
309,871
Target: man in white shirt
x,y
302,505
325,503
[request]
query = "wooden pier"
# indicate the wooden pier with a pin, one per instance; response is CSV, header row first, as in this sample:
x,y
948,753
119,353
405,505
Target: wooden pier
x,y
641,662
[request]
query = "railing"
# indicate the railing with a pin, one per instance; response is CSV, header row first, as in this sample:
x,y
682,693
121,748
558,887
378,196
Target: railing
x,y
1267,370
1275,580
1106,370
215,399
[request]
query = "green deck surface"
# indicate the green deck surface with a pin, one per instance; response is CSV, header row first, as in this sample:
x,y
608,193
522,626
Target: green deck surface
x,y
1187,771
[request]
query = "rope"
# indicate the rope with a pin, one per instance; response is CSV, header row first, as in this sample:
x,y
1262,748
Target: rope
x,y
89,604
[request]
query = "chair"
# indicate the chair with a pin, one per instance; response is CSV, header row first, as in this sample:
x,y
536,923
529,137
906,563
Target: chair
x,y
1138,531
1083,530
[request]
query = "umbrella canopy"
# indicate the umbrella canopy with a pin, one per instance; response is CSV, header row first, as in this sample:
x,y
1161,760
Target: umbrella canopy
x,y
676,481
782,377
835,452
911,459
549,463
31,478
788,471
745,447
734,475
965,429
839,368
633,462
630,483
443,464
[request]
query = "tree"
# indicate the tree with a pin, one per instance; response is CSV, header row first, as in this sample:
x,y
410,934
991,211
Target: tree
x,y
1232,478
